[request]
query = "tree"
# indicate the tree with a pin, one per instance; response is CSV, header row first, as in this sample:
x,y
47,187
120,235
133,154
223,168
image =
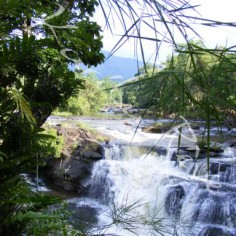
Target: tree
x,y
191,77
114,94
87,100
140,91
201,79
34,80
38,63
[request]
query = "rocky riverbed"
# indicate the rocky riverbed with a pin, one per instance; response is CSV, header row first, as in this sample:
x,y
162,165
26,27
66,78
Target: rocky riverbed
x,y
83,147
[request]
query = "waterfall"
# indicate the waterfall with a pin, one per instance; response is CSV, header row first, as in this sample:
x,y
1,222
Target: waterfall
x,y
146,186
185,197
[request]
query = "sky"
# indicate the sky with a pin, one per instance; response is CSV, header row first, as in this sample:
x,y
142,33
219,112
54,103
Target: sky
x,y
212,36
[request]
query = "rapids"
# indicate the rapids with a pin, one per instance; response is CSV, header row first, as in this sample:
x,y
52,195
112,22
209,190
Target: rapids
x,y
140,189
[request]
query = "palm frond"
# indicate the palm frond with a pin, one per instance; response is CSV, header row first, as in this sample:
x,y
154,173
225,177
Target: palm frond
x,y
22,105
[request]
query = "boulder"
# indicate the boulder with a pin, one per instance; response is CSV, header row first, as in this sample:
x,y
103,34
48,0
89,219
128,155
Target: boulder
x,y
92,155
156,129
80,151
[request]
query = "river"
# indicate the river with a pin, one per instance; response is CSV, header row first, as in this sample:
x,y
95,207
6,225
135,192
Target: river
x,y
144,187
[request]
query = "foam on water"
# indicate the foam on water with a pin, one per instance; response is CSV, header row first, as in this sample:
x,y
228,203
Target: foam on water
x,y
184,199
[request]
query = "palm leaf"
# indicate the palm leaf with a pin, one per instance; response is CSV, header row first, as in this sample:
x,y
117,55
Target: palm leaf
x,y
22,105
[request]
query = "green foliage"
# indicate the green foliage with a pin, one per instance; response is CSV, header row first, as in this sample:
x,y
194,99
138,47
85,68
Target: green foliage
x,y
22,105
88,100
94,95
82,125
34,80
141,90
49,143
79,106
32,213
195,82
114,94
36,66
53,220
17,200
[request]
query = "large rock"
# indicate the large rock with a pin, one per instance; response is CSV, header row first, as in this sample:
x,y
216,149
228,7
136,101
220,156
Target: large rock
x,y
68,173
156,129
80,151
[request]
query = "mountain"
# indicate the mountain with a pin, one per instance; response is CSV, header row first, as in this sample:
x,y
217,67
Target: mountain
x,y
116,67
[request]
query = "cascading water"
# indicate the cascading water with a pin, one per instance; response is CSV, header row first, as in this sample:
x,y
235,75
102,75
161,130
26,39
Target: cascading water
x,y
149,188
161,197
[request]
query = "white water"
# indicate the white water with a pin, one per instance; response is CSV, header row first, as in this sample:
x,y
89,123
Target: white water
x,y
164,198
176,202
36,185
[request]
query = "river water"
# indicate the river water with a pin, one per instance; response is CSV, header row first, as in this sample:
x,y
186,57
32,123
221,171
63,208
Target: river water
x,y
139,188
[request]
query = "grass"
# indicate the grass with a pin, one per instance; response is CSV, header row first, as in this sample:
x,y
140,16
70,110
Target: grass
x,y
63,113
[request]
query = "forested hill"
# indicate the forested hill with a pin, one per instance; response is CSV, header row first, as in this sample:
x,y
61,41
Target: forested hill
x,y
115,67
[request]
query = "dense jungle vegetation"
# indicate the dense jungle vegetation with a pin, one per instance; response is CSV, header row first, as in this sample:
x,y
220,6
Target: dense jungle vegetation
x,y
198,80
94,96
38,41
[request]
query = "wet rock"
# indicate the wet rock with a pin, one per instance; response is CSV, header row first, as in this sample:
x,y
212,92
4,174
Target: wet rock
x,y
216,231
214,168
174,201
215,151
230,143
68,173
191,149
196,127
68,186
88,149
159,150
135,110
223,167
156,129
232,133
83,216
77,170
127,123
180,155
214,207
92,155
